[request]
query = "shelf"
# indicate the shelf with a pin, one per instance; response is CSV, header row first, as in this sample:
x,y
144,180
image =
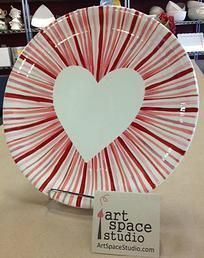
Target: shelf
x,y
190,22
5,32
11,31
5,70
35,30
13,1
198,53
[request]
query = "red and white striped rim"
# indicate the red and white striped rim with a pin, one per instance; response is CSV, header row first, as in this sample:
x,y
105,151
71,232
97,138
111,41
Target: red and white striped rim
x,y
101,39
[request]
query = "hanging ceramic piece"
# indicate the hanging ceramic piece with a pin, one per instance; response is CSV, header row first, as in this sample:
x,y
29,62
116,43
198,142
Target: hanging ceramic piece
x,y
42,17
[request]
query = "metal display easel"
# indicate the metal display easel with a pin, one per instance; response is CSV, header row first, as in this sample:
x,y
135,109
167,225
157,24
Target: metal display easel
x,y
55,206
52,190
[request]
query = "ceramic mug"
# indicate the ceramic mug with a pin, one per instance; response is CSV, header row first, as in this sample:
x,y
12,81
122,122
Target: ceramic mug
x,y
3,14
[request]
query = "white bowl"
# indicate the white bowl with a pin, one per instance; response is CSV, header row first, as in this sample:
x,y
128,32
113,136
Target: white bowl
x,y
156,10
42,17
194,4
196,13
171,6
178,15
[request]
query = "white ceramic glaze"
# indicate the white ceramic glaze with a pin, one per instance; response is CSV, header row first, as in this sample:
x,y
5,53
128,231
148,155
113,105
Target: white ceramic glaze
x,y
194,4
42,17
196,13
171,6
191,42
178,15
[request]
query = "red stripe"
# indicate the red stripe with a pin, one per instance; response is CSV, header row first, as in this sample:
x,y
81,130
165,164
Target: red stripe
x,y
115,44
136,162
161,68
53,45
164,39
38,66
76,41
148,157
170,145
176,76
192,110
126,41
83,183
100,43
30,125
57,167
109,170
176,97
25,155
36,99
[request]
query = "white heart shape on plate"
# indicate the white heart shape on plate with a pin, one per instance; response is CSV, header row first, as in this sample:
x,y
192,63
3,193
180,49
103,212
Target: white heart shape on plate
x,y
95,114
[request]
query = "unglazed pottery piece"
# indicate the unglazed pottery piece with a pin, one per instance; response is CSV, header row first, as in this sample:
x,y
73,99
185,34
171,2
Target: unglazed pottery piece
x,y
178,15
172,7
194,4
15,13
105,98
156,10
196,13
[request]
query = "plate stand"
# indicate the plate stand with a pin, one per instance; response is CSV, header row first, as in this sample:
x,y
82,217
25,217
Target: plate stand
x,y
57,207
52,191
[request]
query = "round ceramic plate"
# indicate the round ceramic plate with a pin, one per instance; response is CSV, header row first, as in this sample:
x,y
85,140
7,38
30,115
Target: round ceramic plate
x,y
105,98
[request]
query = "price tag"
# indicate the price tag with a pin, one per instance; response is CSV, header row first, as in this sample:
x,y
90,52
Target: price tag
x,y
126,224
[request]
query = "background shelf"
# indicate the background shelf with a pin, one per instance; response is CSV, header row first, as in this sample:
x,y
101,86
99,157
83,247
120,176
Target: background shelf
x,y
199,53
3,32
190,22
5,70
